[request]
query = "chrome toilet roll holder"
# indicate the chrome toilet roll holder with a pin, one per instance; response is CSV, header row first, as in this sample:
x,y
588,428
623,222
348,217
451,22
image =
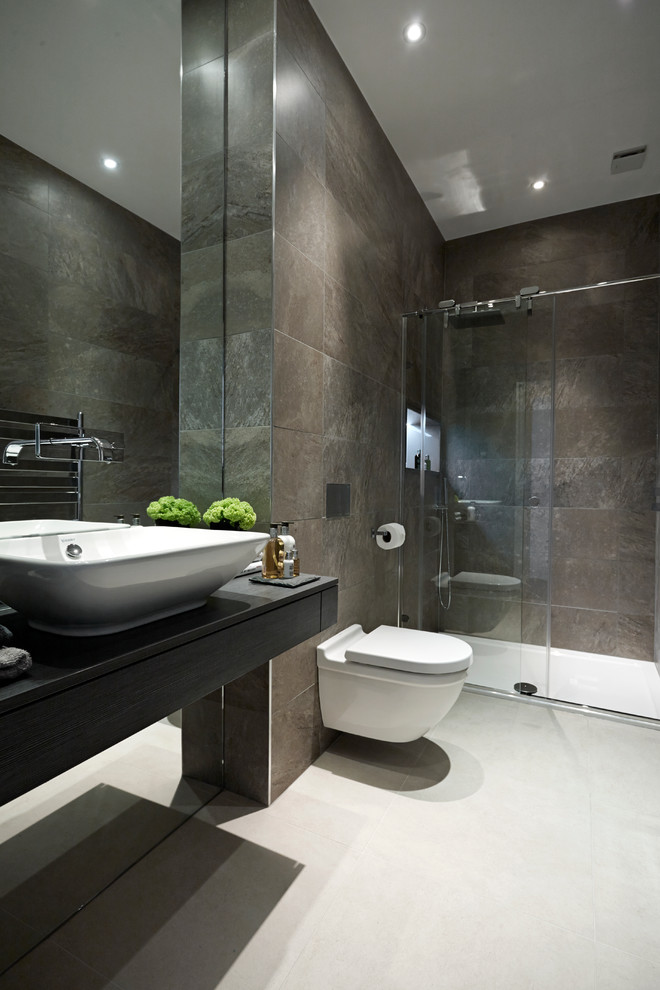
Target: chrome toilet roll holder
x,y
389,536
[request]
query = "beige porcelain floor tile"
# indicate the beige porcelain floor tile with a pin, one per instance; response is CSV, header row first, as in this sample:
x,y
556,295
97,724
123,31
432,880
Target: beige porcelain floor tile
x,y
443,773
332,805
43,801
541,865
616,970
392,930
370,761
624,766
50,968
626,843
523,741
44,892
30,841
15,939
499,817
487,717
233,908
448,772
627,910
161,734
473,714
182,794
626,840
156,759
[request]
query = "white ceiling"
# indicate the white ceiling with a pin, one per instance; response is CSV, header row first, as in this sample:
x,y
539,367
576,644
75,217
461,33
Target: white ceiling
x,y
502,92
499,93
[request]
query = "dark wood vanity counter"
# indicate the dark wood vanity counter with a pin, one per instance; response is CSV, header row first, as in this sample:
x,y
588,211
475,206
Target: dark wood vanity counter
x,y
85,694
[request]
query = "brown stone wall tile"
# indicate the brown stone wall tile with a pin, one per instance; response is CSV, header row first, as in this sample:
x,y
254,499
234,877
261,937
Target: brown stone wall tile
x,y
294,741
581,582
585,533
298,289
635,636
294,672
591,630
298,391
297,477
300,113
299,204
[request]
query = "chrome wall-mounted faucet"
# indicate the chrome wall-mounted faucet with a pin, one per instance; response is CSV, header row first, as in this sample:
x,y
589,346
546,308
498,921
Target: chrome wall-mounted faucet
x,y
58,453
14,448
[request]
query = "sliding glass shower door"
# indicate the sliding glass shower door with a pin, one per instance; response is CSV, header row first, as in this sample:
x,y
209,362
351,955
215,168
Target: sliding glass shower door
x,y
477,485
531,490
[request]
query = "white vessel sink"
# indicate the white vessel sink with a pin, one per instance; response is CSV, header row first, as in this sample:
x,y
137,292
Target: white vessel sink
x,y
94,582
44,527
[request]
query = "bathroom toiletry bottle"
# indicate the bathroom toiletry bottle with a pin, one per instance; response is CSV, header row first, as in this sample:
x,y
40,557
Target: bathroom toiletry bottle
x,y
287,570
135,520
418,460
120,519
286,537
296,562
427,462
272,558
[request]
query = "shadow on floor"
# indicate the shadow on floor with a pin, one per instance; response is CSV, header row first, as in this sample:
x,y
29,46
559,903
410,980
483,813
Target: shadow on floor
x,y
421,768
191,906
53,867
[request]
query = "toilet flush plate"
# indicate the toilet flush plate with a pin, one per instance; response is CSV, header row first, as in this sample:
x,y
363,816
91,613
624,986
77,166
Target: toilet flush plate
x,y
414,650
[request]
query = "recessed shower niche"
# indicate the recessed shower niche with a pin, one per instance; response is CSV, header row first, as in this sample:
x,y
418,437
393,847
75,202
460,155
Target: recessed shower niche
x,y
422,441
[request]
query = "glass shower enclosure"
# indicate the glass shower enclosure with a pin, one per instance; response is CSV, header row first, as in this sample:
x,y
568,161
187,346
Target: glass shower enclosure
x,y
528,489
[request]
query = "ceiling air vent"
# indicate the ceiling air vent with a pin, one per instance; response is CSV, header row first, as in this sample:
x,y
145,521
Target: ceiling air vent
x,y
626,161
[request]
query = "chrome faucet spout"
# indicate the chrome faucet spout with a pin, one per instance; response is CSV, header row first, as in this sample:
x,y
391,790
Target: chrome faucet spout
x,y
13,450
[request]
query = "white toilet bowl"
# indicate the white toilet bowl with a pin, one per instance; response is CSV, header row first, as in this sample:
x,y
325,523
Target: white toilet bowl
x,y
391,684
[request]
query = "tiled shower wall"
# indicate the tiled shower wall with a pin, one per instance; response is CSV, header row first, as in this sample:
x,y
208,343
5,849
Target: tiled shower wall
x,y
602,542
89,319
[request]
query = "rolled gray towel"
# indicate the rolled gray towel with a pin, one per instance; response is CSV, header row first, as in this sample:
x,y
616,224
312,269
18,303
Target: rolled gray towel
x,y
13,662
6,636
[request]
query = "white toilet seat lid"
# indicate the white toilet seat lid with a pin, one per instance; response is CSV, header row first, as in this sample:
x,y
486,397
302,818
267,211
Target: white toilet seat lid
x,y
411,649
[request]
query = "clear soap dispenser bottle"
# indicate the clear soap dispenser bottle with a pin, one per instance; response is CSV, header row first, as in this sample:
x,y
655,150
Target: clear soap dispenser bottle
x,y
272,558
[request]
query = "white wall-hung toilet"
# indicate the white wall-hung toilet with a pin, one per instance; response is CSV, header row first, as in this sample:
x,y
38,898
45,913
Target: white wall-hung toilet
x,y
391,684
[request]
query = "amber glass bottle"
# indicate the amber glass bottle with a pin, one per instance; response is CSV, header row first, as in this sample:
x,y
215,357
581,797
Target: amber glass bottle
x,y
272,557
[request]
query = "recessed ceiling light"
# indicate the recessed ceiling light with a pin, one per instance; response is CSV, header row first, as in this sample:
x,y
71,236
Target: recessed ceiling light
x,y
110,162
414,31
539,184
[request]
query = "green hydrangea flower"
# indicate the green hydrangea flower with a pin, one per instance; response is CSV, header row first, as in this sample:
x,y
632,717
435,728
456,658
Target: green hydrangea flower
x,y
240,514
173,509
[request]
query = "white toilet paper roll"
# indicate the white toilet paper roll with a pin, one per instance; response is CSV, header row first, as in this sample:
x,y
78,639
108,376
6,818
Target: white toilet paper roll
x,y
390,536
